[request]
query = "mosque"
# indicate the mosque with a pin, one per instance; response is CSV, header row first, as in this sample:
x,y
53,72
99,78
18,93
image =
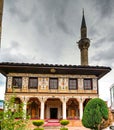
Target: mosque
x,y
54,91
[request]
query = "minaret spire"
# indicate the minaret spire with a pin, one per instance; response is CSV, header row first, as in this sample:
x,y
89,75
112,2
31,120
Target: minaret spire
x,y
84,42
83,27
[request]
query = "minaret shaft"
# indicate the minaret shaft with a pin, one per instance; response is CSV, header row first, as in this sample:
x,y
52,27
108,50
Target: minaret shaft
x,y
84,42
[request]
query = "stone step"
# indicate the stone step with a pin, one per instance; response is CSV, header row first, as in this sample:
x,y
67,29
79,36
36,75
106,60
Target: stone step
x,y
51,127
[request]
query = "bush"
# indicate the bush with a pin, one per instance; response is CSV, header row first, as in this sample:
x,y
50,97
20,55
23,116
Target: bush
x,y
8,116
38,122
64,122
39,129
95,112
64,128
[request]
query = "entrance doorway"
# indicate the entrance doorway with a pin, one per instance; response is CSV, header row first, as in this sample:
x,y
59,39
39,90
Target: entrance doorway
x,y
53,113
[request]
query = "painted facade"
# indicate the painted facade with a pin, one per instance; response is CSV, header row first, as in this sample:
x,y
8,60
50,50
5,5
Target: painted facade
x,y
62,93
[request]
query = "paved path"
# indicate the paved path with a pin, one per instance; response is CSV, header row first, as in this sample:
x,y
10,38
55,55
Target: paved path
x,y
76,128
70,128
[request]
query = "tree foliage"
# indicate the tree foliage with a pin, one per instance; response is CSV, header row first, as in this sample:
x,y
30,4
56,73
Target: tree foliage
x,y
106,123
95,112
12,119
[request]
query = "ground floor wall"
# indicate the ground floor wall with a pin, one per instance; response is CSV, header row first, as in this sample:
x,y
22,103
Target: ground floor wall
x,y
56,106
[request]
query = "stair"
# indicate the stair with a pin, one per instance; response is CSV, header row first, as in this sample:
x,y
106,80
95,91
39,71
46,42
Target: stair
x,y
52,123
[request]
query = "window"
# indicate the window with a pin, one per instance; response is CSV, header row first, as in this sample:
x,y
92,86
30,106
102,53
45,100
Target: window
x,y
73,84
33,82
53,83
17,82
88,84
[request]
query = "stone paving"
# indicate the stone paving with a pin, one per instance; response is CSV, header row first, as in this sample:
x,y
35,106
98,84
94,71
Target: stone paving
x,y
73,128
70,128
74,125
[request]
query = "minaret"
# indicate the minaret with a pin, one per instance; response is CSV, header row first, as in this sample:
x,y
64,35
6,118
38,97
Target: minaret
x,y
84,42
1,13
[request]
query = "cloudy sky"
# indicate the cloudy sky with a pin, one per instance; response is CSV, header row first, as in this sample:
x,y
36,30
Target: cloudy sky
x,y
47,31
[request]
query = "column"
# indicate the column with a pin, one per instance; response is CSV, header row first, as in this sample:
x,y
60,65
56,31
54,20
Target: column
x,y
64,109
81,110
24,100
42,100
42,110
64,100
24,109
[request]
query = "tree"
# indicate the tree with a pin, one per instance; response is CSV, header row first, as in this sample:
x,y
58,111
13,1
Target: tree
x,y
95,112
106,123
9,115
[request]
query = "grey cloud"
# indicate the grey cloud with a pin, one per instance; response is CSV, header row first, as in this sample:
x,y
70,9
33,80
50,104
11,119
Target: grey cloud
x,y
55,16
23,10
111,35
105,7
14,44
54,24
106,56
100,43
12,53
63,26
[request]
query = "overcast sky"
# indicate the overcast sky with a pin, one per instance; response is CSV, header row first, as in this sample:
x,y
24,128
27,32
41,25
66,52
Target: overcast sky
x,y
46,31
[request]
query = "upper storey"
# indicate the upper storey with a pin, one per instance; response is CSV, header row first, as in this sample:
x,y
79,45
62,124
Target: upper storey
x,y
52,78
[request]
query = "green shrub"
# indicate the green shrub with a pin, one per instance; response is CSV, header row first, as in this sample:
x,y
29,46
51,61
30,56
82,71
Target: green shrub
x,y
38,122
39,129
8,116
64,122
95,112
64,128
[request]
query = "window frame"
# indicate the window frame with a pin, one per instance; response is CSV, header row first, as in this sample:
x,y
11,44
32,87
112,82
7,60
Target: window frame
x,y
50,87
88,87
30,80
71,84
14,85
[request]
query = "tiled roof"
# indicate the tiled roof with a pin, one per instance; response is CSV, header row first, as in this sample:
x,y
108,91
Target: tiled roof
x,y
7,67
51,65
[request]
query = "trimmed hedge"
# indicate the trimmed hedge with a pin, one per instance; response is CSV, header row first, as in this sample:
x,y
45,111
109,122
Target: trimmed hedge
x,y
64,128
64,122
39,129
38,122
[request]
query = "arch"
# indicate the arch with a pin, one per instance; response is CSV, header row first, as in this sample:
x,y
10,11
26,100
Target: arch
x,y
17,106
85,102
53,108
72,109
33,108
